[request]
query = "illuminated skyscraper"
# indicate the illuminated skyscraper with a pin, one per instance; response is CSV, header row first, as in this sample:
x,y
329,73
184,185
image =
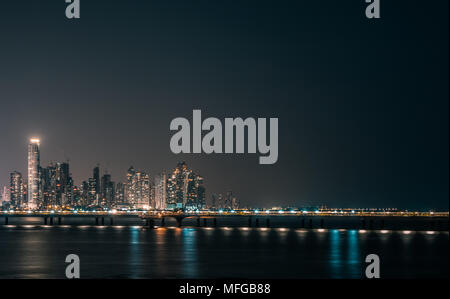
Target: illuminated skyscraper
x,y
235,203
92,192
16,190
84,190
229,200
200,189
176,187
138,189
213,201
97,180
93,195
119,194
56,185
107,191
34,192
185,189
160,191
5,197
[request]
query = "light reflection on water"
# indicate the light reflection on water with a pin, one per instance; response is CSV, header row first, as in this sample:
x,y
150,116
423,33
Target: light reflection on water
x,y
335,260
134,255
353,257
189,253
37,251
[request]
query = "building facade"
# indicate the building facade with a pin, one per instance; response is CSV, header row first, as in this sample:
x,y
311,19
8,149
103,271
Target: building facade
x,y
161,191
185,189
17,190
34,190
138,189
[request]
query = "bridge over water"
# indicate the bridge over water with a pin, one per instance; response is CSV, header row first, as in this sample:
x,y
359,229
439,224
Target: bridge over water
x,y
321,220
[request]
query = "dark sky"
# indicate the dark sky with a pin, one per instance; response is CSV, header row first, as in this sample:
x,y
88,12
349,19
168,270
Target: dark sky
x,y
363,105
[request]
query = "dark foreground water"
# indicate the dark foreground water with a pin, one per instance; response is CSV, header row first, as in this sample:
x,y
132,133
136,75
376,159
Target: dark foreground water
x,y
37,251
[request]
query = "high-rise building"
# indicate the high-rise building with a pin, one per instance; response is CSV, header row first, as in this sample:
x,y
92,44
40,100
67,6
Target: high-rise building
x,y
56,185
235,203
5,196
213,201
176,187
129,191
94,194
84,190
77,199
185,189
34,190
107,191
201,192
138,189
220,201
46,187
195,192
119,194
17,190
160,191
65,184
97,179
92,198
229,200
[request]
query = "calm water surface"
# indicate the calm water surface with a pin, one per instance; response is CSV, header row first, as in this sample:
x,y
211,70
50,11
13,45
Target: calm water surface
x,y
37,251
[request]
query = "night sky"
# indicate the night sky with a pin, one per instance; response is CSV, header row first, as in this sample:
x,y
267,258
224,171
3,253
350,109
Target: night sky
x,y
363,105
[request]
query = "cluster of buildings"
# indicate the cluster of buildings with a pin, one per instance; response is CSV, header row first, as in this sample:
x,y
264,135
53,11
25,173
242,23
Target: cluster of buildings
x,y
227,202
52,187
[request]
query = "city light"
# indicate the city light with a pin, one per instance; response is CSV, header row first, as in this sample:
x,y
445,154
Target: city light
x,y
51,190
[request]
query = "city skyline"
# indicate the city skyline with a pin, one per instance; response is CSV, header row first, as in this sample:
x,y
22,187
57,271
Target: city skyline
x,y
139,189
52,187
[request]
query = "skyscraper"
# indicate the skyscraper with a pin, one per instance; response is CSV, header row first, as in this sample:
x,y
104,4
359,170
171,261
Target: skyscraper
x,y
92,192
235,203
176,187
84,190
185,189
34,192
65,184
107,191
5,196
214,201
16,190
201,192
138,189
56,185
160,191
94,189
229,200
97,179
119,194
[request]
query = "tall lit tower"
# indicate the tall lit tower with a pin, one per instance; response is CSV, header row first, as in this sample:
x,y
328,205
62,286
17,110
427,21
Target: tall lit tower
x,y
33,173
